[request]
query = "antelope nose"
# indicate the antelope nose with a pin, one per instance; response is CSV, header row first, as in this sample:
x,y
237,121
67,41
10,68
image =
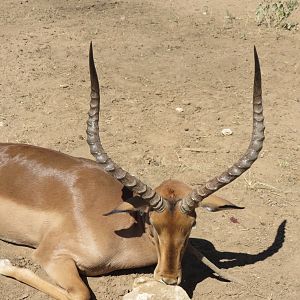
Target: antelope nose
x,y
169,281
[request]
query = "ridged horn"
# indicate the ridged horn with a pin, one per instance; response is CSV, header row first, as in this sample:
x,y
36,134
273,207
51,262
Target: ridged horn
x,y
244,163
131,182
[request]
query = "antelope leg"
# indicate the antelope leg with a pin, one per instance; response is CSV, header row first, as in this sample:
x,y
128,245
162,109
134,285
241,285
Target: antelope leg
x,y
28,277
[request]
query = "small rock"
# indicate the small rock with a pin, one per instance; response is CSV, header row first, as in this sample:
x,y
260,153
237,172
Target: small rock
x,y
186,102
24,296
227,131
179,109
64,86
149,289
1,124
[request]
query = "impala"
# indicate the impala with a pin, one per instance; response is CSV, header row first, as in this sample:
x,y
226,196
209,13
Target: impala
x,y
92,217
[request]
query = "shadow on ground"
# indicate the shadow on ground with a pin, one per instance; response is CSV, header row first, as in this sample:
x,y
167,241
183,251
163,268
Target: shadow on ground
x,y
194,271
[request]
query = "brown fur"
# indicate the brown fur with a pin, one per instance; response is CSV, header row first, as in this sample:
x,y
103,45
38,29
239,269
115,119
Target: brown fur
x,y
58,204
69,210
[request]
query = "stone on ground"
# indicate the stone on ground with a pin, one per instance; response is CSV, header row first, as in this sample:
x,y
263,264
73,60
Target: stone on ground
x,y
149,289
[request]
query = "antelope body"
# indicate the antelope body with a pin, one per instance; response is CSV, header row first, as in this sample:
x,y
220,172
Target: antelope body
x,y
84,215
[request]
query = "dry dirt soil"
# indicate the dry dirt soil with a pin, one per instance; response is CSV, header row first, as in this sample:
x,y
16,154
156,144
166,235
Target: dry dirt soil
x,y
154,57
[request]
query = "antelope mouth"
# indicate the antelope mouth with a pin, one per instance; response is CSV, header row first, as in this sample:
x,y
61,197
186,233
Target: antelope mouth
x,y
170,281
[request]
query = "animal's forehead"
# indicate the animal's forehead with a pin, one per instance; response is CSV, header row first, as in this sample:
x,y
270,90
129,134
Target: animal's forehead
x,y
172,215
172,204
173,190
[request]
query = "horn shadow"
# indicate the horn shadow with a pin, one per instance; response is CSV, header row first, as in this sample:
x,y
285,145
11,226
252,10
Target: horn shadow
x,y
195,272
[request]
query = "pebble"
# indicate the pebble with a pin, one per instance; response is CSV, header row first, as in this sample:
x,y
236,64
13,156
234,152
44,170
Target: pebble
x,y
226,131
24,296
179,109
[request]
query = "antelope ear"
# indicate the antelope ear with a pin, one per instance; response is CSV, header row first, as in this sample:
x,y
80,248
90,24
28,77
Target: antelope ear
x,y
215,203
130,205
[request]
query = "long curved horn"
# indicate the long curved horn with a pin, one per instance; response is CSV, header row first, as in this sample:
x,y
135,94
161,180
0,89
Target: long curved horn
x,y
96,149
244,163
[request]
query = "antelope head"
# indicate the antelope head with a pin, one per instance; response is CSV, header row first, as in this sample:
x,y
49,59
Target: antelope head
x,y
171,207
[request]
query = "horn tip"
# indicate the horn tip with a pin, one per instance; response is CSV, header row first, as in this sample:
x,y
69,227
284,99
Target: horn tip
x,y
256,59
91,50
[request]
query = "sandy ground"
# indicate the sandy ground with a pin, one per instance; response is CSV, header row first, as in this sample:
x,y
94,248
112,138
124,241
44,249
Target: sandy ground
x,y
154,57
